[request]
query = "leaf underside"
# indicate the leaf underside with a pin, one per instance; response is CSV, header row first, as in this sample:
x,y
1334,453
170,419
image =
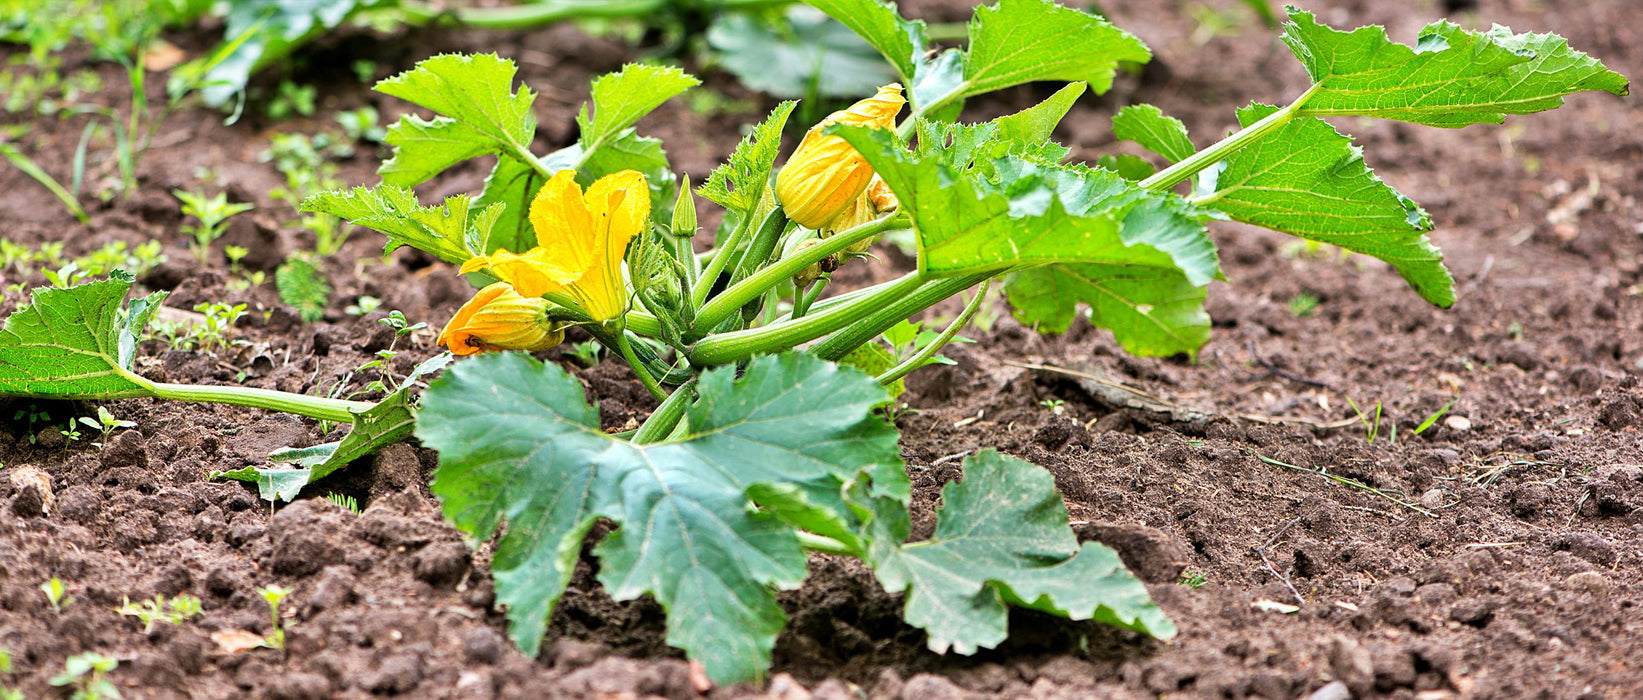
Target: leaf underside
x,y
77,342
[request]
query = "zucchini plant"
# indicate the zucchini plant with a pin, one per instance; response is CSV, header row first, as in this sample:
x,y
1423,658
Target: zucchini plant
x,y
766,443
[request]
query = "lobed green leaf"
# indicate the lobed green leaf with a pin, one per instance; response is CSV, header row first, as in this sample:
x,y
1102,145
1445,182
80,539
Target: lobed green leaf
x,y
475,93
1451,77
1001,537
1146,125
424,148
621,98
797,54
1308,180
902,42
739,183
1021,41
77,342
453,232
1151,311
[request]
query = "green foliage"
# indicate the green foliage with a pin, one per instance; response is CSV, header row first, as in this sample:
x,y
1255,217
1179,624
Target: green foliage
x,y
1002,537
454,232
479,113
260,32
212,213
76,342
621,98
1147,126
740,182
174,611
56,594
1451,77
708,518
1310,181
304,287
274,594
87,673
799,55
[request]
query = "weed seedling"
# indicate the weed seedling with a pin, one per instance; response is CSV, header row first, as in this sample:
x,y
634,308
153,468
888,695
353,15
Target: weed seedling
x,y
1303,305
87,674
212,213
105,423
55,593
363,306
347,502
216,332
174,611
1193,580
585,352
274,593
1433,419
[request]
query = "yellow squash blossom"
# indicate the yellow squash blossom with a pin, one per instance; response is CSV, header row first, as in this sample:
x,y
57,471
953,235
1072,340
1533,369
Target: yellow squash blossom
x,y
825,176
499,318
580,241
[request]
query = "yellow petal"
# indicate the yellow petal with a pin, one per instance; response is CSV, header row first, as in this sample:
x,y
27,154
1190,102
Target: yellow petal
x,y
823,178
620,205
564,226
538,271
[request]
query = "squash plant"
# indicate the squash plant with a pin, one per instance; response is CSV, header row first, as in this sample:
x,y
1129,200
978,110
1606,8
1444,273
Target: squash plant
x,y
766,443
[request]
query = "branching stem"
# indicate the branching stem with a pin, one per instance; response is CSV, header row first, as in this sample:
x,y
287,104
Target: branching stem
x,y
1175,174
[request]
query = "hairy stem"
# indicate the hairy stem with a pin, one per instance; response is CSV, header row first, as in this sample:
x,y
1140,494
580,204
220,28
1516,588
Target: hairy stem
x,y
645,377
662,421
335,410
918,359
885,315
824,545
735,346
1175,174
733,298
716,265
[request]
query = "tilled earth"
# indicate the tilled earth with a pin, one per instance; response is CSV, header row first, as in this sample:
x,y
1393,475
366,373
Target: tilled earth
x,y
1496,554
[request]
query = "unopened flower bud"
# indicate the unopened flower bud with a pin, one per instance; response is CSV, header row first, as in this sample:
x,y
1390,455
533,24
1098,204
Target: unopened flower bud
x,y
825,175
498,318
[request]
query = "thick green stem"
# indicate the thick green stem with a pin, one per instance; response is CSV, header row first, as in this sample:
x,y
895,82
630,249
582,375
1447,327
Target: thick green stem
x,y
735,346
824,545
733,298
660,424
924,354
803,298
716,264
905,128
531,15
1175,174
335,410
626,348
897,310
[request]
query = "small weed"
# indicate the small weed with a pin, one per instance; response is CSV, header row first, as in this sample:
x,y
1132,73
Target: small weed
x,y
1432,419
1371,424
363,306
347,502
1193,580
87,674
292,100
55,593
1056,406
212,213
105,423
1303,305
302,285
174,611
33,415
585,352
274,593
216,332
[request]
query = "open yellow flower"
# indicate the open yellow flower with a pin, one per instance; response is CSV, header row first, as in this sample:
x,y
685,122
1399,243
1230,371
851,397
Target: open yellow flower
x,y
580,241
499,318
825,175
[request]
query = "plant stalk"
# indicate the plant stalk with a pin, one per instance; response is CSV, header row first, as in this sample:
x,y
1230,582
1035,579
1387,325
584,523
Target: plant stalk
x,y
716,265
918,359
662,421
824,545
1175,174
734,297
722,348
645,377
334,410
899,307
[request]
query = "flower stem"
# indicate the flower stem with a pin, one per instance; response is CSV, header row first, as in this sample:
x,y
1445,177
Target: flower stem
x,y
716,264
638,366
824,545
924,354
739,294
335,410
805,297
721,348
666,417
1175,174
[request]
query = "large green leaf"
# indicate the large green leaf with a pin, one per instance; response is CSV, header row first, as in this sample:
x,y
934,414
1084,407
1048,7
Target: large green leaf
x,y
475,90
76,342
739,183
1002,537
1152,311
1037,123
902,42
1034,213
621,98
453,232
1451,77
799,54
794,430
1308,180
424,148
1021,41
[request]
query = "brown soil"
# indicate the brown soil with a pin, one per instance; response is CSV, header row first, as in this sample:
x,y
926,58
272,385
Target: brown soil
x,y
1511,568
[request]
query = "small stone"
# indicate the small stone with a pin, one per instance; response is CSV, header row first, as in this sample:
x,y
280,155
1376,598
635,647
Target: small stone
x,y
1334,691
334,590
1351,664
482,645
1459,424
784,687
399,673
1589,581
441,563
42,502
